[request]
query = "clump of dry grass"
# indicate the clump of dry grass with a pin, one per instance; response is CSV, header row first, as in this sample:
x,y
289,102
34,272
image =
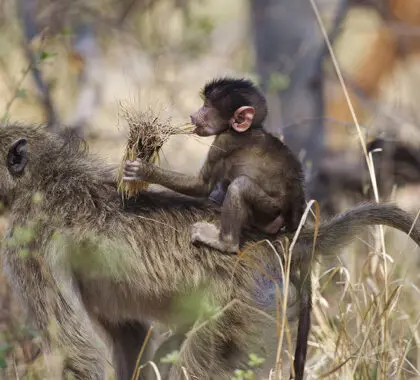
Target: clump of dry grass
x,y
366,333
148,131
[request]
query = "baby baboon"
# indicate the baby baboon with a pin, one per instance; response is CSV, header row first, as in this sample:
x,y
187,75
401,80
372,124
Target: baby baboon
x,y
255,176
74,255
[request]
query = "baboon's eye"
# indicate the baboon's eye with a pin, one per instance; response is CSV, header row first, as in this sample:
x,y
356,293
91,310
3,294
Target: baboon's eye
x,y
17,157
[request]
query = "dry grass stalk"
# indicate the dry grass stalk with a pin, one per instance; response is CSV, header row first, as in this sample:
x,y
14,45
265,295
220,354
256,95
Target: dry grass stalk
x,y
148,131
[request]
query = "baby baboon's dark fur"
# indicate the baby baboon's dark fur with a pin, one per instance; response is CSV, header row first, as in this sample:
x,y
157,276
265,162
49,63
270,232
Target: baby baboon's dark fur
x,y
253,175
87,258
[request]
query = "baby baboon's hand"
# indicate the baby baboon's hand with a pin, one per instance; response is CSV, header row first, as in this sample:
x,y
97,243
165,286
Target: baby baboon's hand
x,y
136,170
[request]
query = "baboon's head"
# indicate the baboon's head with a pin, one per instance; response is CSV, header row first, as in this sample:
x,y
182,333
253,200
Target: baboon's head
x,y
27,155
14,157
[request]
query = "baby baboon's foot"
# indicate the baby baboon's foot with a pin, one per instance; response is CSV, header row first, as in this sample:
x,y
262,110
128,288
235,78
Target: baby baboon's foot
x,y
209,234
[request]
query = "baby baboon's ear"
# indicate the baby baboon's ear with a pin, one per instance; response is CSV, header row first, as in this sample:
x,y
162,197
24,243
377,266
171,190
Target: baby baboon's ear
x,y
17,158
242,118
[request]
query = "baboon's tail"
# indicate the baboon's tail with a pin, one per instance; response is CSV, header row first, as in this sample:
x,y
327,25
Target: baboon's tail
x,y
341,229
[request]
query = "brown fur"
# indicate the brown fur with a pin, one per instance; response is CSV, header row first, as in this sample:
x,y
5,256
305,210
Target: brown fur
x,y
90,258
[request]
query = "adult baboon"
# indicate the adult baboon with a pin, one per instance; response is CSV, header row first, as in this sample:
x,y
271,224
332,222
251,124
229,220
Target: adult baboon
x,y
73,254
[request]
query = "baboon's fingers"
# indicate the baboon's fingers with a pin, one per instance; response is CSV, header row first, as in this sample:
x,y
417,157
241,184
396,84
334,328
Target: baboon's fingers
x,y
131,172
133,163
134,168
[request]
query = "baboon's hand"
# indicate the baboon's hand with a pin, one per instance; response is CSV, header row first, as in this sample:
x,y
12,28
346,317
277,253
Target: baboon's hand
x,y
137,170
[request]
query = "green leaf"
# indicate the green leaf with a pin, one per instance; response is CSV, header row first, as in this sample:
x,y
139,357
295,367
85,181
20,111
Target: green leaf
x,y
249,375
206,24
45,55
21,93
4,348
21,237
37,198
65,32
255,361
278,82
171,358
24,252
5,117
238,374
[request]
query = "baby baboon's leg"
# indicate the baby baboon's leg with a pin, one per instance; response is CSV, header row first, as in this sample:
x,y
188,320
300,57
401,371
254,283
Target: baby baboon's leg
x,y
241,196
218,193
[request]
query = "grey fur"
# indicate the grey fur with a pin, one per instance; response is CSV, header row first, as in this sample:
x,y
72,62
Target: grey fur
x,y
91,257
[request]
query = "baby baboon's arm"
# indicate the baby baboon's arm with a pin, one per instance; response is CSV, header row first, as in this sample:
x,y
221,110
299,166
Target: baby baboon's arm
x,y
200,186
139,170
195,186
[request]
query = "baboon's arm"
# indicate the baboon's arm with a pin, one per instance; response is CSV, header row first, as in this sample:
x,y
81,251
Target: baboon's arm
x,y
52,298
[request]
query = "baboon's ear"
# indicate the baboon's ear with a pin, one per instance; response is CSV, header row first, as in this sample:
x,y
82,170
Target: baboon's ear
x,y
17,158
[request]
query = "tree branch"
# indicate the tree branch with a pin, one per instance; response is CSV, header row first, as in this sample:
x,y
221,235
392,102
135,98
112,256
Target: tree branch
x,y
26,10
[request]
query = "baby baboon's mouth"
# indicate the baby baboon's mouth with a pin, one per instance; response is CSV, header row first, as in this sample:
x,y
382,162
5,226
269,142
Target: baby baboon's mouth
x,y
199,129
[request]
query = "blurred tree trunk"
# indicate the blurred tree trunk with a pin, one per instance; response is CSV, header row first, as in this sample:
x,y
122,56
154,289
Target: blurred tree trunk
x,y
27,13
289,47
